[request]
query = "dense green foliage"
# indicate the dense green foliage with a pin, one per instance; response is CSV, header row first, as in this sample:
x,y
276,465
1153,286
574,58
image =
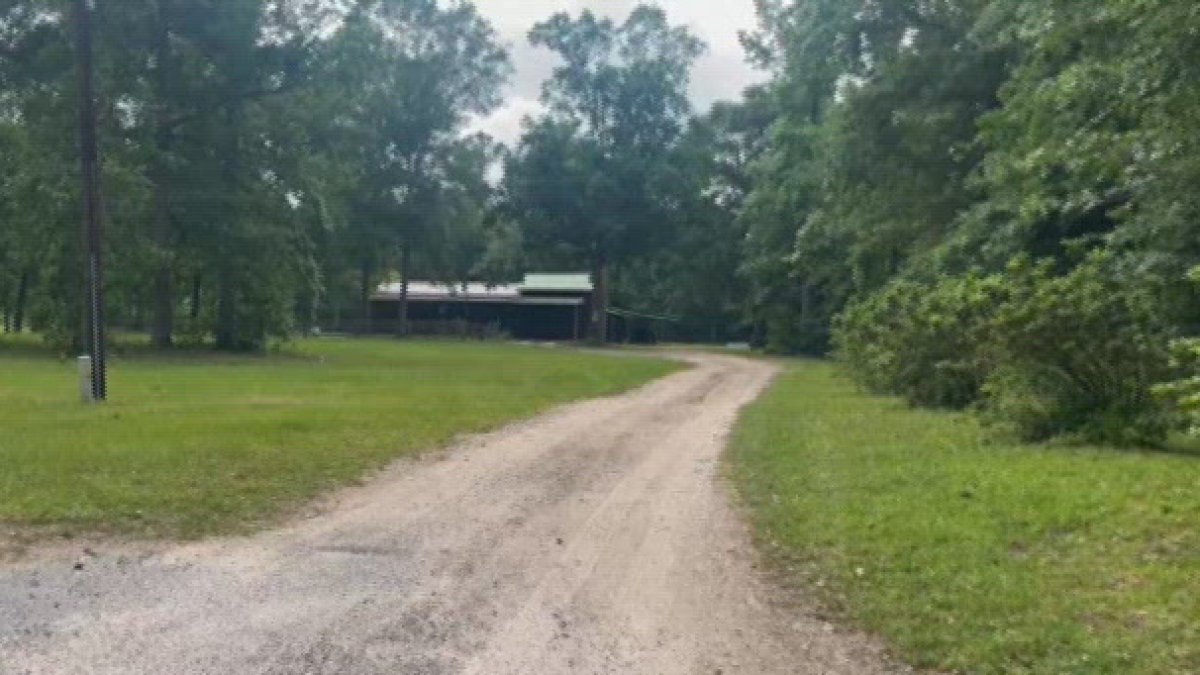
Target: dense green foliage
x,y
597,176
1183,394
194,444
1077,355
264,162
268,162
970,556
924,342
1041,354
918,149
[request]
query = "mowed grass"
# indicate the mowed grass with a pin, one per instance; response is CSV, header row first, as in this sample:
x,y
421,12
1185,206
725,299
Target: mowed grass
x,y
196,444
968,556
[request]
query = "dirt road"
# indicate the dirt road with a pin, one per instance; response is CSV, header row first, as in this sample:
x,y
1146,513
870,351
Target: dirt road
x,y
595,539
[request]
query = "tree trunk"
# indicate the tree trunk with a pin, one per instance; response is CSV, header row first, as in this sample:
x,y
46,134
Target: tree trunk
x,y
405,258
306,311
163,325
162,328
195,308
364,297
18,312
226,328
226,333
758,334
599,328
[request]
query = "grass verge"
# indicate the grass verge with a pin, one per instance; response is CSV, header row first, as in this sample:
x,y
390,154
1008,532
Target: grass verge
x,y
969,556
196,444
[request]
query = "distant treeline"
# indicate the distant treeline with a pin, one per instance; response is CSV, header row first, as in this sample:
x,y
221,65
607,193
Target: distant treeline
x,y
266,163
261,158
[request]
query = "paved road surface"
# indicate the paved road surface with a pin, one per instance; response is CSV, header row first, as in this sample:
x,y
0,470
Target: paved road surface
x,y
595,539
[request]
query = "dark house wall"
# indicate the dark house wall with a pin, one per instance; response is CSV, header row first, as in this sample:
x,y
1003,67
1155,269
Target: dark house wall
x,y
520,321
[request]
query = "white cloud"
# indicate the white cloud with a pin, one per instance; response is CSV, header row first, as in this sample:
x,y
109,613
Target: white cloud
x,y
721,74
505,122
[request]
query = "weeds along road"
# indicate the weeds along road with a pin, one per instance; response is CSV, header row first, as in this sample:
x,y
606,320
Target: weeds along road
x,y
598,538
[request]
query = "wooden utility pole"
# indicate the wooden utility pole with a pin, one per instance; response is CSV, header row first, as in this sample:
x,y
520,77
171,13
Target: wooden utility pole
x,y
92,216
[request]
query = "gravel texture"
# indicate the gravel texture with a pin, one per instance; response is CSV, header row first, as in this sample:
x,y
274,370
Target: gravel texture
x,y
598,538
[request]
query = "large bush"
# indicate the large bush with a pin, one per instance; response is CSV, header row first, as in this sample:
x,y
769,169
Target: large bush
x,y
1078,354
1184,393
1041,354
922,341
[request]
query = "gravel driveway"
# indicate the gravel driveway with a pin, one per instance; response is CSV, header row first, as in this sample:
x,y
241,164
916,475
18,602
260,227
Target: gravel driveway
x,y
598,538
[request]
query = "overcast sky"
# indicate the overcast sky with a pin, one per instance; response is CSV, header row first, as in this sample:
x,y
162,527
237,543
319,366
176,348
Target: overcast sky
x,y
721,74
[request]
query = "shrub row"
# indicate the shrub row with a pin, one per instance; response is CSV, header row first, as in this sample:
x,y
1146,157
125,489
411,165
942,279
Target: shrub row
x,y
1040,354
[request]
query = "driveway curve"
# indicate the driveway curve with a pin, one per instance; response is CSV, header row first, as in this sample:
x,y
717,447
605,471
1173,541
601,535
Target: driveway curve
x,y
598,538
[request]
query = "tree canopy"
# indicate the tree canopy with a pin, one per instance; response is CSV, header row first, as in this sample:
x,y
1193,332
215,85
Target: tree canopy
x,y
918,145
596,177
256,156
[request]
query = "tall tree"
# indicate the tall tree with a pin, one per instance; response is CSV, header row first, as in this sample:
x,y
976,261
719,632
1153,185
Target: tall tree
x,y
409,74
871,156
696,278
592,177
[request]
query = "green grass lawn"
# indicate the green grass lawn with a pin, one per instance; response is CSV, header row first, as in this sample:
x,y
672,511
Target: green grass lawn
x,y
969,556
195,444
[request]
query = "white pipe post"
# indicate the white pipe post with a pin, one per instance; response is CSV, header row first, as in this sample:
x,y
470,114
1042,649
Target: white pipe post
x,y
85,379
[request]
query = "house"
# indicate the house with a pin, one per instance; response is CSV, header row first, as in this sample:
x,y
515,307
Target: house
x,y
544,306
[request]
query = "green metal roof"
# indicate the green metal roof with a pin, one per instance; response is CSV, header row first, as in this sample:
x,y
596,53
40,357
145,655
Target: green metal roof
x,y
567,283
